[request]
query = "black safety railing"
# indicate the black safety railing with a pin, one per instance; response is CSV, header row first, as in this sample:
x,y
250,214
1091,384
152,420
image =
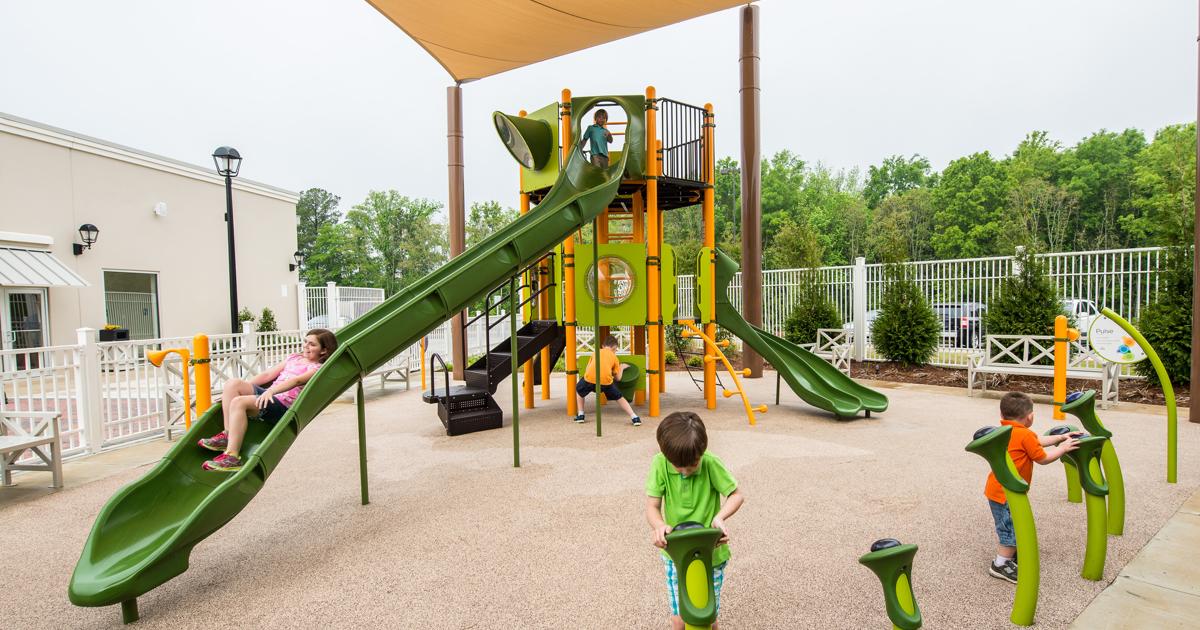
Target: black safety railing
x,y
681,129
536,289
433,376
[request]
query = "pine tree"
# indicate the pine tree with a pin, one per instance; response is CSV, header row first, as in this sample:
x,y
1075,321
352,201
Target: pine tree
x,y
1167,323
813,310
266,322
906,330
1027,302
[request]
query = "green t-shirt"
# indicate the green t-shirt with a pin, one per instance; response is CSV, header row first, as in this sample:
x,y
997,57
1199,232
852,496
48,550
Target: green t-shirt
x,y
597,137
696,497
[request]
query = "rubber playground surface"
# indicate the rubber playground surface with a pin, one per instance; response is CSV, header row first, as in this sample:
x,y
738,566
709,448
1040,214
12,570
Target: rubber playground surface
x,y
455,537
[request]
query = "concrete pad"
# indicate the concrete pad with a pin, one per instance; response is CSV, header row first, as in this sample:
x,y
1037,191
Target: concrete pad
x,y
1192,505
29,485
1170,564
1130,604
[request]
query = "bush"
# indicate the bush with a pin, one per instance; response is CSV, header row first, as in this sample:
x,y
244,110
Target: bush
x,y
1027,302
906,329
670,356
813,310
675,340
244,315
1167,323
695,361
266,322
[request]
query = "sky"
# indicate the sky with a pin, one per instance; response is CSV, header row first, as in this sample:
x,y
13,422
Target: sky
x,y
331,94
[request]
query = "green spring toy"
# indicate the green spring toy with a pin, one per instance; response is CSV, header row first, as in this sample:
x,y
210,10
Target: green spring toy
x,y
1087,464
1082,405
892,564
690,546
1074,492
991,443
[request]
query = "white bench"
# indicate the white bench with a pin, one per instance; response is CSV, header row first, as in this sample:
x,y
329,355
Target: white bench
x,y
835,345
1019,355
15,440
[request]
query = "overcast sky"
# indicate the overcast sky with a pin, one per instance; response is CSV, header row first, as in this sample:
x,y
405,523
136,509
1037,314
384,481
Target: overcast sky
x,y
330,94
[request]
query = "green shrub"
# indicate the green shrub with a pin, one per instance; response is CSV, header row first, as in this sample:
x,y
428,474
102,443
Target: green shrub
x,y
906,329
675,340
1167,323
670,356
813,310
1027,302
266,322
244,315
695,361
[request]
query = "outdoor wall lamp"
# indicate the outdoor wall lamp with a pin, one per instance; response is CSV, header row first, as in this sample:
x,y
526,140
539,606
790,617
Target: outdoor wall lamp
x,y
299,257
89,234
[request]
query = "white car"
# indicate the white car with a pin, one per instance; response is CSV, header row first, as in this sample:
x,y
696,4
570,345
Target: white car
x,y
1084,312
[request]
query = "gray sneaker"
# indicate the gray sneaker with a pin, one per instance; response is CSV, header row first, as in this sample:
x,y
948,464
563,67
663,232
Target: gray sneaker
x,y
1007,571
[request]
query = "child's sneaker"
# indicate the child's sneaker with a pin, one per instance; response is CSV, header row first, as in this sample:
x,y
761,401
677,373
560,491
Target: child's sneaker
x,y
218,442
1007,571
637,422
579,419
224,463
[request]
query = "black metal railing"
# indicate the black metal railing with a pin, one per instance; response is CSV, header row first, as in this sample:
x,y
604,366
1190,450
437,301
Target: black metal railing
x,y
681,129
536,289
433,376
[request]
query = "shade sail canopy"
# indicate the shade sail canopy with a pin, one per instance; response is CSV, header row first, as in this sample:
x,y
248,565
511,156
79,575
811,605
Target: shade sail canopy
x,y
473,40
35,268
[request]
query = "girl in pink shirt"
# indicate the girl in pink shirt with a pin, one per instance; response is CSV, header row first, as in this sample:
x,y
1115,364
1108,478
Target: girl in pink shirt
x,y
242,400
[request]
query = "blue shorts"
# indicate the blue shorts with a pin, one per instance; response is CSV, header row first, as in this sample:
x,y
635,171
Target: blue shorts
x,y
673,583
1004,524
583,388
274,409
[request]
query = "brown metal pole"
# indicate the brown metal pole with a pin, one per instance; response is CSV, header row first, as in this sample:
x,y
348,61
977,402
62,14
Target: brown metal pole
x,y
751,186
457,212
1194,403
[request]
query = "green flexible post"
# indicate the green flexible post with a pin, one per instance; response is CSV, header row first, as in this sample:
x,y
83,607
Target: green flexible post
x,y
892,564
991,444
1083,406
362,442
1074,492
1168,392
1087,462
690,547
596,340
514,361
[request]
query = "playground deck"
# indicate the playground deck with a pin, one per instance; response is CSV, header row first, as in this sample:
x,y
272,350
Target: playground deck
x,y
455,537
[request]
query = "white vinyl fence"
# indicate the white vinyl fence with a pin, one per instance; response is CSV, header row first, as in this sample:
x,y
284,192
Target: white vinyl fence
x,y
314,304
1124,280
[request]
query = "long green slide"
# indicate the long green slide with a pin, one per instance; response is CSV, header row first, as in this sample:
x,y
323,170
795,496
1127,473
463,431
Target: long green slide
x,y
812,378
145,533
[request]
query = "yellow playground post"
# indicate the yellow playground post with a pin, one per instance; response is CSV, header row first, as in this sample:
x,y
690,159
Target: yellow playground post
x,y
155,357
203,375
1062,337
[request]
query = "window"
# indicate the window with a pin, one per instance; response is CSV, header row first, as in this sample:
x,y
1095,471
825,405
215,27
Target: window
x,y
131,302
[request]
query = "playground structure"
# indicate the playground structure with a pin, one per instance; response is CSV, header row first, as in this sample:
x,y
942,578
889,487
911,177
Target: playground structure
x,y
891,562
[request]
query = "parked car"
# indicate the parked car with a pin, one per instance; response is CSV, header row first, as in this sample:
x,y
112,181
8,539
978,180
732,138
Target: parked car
x,y
321,321
1084,312
871,316
962,323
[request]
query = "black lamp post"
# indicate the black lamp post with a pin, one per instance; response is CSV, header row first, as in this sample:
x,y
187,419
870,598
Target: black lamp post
x,y
228,161
299,258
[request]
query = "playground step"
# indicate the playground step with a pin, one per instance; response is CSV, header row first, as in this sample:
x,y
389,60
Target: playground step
x,y
488,371
471,419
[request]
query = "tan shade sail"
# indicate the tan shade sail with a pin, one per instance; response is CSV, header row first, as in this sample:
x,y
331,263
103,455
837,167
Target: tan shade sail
x,y
476,39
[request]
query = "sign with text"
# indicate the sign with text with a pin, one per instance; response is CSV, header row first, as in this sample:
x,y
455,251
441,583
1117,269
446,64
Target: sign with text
x,y
1112,343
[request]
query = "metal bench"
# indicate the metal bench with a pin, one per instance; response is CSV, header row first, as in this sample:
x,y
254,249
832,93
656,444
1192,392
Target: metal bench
x,y
15,439
1033,355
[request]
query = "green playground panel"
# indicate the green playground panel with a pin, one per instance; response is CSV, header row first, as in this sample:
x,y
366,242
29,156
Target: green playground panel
x,y
536,180
632,312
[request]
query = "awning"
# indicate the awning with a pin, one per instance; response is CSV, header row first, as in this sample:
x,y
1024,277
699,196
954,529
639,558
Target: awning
x,y
473,40
35,268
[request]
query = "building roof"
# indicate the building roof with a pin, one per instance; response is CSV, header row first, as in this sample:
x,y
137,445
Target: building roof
x,y
35,268
473,40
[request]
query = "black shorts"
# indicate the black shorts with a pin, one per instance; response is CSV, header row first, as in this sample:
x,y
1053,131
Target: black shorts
x,y
583,388
274,409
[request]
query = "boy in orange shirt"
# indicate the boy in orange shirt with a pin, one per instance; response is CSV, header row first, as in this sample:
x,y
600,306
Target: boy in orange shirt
x,y
610,368
1025,448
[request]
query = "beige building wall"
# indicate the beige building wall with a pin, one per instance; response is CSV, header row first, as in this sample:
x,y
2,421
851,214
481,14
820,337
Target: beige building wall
x,y
52,181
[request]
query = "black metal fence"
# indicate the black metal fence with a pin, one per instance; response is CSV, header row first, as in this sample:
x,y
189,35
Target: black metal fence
x,y
681,129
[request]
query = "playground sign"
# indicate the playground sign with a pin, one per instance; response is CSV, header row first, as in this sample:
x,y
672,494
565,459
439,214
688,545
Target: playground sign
x,y
1113,343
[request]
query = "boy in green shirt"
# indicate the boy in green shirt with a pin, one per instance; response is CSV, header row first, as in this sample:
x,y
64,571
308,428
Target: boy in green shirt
x,y
686,484
598,136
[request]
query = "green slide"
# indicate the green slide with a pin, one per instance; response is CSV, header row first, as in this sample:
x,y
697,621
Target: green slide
x,y
145,533
812,378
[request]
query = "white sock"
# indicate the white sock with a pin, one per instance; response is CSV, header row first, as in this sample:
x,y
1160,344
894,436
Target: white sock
x,y
1000,560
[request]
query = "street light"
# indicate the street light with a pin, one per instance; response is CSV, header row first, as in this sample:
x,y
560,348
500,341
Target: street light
x,y
299,258
228,162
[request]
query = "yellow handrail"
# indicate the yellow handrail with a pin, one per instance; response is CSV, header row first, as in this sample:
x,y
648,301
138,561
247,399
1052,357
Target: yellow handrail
x,y
693,331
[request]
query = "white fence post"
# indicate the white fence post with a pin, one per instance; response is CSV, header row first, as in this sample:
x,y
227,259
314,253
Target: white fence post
x,y
250,348
332,314
89,398
859,305
301,305
1016,264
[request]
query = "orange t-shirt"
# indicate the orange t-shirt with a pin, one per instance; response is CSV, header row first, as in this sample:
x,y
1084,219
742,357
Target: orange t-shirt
x,y
1024,448
608,367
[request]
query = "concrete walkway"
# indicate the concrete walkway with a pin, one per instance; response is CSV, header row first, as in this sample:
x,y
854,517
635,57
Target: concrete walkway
x,y
1160,587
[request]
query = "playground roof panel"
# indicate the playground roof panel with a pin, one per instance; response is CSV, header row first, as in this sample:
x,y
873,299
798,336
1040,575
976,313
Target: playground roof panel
x,y
473,40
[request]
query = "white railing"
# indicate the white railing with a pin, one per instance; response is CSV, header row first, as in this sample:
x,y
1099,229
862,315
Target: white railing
x,y
1125,280
315,304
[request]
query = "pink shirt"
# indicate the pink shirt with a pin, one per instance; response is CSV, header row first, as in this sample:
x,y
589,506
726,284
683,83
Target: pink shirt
x,y
295,365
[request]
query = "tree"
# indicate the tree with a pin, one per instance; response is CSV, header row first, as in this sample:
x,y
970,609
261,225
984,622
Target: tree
x,y
970,200
1040,215
485,218
1101,173
1165,179
895,175
401,240
794,246
1027,302
906,330
1167,323
813,311
903,227
266,323
317,208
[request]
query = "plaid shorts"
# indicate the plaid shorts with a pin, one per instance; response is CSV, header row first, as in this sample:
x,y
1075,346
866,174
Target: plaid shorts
x,y
673,583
